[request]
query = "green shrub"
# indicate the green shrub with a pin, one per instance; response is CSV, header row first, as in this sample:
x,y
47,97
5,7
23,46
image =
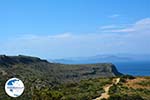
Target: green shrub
x,y
127,77
125,97
144,83
113,89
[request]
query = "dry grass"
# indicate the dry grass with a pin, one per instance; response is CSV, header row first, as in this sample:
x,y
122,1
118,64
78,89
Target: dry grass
x,y
138,83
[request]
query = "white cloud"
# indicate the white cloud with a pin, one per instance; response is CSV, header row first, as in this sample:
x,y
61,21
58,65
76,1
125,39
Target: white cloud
x,y
141,25
135,40
56,36
61,45
120,30
108,27
114,16
64,35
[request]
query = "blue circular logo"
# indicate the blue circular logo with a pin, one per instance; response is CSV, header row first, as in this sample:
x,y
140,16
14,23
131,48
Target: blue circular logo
x,y
14,87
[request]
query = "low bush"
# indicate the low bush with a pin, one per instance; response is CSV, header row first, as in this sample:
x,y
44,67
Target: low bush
x,y
125,97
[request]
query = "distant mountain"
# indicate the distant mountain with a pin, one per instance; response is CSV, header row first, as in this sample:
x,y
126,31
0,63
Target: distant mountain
x,y
103,58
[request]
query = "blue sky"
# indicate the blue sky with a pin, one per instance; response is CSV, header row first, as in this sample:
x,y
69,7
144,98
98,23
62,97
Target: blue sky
x,y
70,28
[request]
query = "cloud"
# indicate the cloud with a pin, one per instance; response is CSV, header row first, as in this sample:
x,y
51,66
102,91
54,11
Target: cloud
x,y
64,35
114,16
60,45
141,25
108,27
120,30
135,40
56,36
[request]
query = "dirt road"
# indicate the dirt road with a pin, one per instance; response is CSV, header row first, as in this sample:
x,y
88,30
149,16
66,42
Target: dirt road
x,y
106,89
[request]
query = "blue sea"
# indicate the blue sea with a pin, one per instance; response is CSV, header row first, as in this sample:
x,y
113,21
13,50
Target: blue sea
x,y
134,68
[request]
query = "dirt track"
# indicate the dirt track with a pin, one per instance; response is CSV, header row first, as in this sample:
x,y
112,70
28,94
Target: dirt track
x,y
106,89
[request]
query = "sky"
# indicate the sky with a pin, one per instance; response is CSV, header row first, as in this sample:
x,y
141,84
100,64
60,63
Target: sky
x,y
74,28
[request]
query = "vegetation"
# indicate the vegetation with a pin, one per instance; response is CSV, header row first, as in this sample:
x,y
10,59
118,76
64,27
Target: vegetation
x,y
83,90
125,97
136,88
51,81
144,83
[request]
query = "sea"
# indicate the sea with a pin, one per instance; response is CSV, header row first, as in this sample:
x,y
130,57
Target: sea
x,y
133,67
138,68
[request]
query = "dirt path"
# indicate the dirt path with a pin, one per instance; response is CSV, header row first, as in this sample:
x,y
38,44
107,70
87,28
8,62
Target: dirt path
x,y
117,80
106,89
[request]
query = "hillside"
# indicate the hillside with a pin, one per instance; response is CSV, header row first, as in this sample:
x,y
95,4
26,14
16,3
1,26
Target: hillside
x,y
38,74
29,67
52,81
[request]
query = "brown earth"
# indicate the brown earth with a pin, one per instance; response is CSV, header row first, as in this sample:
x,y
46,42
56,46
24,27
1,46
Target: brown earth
x,y
134,83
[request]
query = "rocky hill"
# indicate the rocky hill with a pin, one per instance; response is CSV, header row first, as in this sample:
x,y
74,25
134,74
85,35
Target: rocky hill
x,y
38,73
25,66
